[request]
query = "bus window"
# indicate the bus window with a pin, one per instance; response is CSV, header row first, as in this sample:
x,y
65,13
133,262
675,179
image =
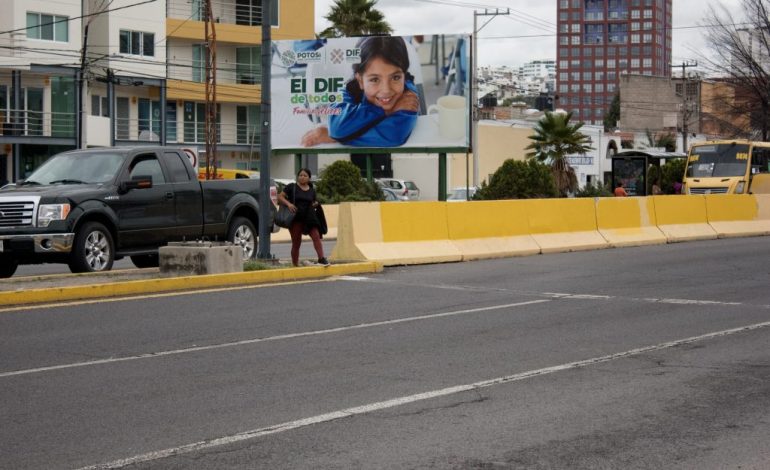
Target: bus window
x,y
760,160
717,160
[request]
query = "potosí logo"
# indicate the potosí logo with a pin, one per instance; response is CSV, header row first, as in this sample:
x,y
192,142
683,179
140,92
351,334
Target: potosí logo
x,y
308,57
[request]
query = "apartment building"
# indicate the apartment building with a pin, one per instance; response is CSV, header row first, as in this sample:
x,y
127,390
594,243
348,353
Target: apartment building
x,y
144,73
600,40
39,44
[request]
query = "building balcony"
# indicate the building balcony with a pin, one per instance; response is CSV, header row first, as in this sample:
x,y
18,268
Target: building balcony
x,y
25,126
237,21
187,133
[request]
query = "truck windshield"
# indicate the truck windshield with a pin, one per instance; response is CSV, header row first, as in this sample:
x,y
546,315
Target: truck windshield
x,y
71,168
718,160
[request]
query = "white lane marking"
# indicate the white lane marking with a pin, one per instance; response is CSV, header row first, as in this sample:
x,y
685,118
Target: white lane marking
x,y
400,401
270,338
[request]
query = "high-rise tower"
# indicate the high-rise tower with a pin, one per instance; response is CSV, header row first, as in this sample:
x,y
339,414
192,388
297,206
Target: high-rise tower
x,y
599,40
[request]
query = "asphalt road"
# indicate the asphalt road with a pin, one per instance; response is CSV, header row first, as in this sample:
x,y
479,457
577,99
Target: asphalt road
x,y
279,250
649,357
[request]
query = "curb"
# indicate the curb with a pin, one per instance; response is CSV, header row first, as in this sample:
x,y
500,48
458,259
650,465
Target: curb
x,y
185,283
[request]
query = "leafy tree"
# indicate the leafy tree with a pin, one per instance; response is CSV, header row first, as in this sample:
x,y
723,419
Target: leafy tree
x,y
341,181
740,48
670,172
667,141
516,179
612,116
355,18
554,139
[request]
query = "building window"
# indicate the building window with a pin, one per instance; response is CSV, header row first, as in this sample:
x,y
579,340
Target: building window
x,y
599,88
648,25
647,14
599,63
100,106
249,12
563,40
198,63
575,40
563,64
122,119
563,76
635,14
195,122
635,26
634,38
137,43
564,28
576,27
647,63
563,88
599,76
248,124
563,4
647,37
248,65
47,27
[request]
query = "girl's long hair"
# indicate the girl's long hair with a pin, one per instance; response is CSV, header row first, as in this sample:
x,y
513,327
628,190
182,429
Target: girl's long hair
x,y
388,48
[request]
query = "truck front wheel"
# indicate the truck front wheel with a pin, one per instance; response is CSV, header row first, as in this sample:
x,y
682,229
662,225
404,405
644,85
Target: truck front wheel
x,y
93,250
243,234
8,266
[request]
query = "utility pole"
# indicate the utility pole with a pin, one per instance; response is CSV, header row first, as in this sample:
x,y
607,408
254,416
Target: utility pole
x,y
211,94
474,85
686,111
265,150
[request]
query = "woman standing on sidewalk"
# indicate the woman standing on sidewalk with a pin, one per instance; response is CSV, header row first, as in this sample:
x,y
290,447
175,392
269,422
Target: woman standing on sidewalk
x,y
300,198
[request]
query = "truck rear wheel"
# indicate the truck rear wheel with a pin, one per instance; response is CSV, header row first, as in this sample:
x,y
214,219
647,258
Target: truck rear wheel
x,y
93,250
8,266
242,233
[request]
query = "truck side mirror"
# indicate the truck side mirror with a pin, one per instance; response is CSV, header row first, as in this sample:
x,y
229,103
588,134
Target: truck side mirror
x,y
136,182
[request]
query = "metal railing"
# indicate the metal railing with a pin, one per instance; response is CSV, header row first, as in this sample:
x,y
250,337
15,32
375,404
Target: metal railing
x,y
228,73
22,122
243,12
145,130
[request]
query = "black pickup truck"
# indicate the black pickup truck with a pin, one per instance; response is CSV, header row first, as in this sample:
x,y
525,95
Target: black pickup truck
x,y
88,208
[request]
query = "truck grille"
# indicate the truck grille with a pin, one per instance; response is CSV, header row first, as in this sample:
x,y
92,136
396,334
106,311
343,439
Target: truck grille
x,y
16,213
708,190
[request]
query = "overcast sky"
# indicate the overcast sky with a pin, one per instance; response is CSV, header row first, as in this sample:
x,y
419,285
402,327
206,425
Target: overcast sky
x,y
503,40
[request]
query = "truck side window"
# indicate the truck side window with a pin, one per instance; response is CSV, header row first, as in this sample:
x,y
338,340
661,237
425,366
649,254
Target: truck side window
x,y
177,166
148,165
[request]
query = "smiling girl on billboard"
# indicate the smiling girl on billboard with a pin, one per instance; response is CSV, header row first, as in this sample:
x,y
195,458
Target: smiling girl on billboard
x,y
380,103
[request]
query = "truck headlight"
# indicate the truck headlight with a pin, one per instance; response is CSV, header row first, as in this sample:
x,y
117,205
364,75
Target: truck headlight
x,y
47,213
739,187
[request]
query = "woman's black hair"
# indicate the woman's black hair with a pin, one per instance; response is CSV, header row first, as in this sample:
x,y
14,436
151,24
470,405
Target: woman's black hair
x,y
306,170
388,48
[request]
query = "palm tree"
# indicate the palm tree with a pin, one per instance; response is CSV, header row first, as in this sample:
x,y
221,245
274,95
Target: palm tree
x,y
355,18
554,139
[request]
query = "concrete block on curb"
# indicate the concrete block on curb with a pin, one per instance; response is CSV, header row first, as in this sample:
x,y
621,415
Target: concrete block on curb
x,y
194,258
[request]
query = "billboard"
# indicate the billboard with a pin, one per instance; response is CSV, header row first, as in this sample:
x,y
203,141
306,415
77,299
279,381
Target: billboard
x,y
372,92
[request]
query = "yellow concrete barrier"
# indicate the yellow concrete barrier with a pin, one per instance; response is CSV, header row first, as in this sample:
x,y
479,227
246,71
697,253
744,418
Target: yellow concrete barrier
x,y
394,233
628,221
332,213
737,215
683,218
564,224
490,229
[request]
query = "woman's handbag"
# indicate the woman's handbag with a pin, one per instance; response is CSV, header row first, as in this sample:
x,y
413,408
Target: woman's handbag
x,y
284,217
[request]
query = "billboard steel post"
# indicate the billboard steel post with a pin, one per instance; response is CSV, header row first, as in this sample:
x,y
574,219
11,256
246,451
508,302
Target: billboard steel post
x,y
265,203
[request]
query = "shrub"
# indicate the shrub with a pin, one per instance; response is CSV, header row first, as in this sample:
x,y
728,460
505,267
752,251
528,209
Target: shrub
x,y
519,180
591,190
341,181
671,171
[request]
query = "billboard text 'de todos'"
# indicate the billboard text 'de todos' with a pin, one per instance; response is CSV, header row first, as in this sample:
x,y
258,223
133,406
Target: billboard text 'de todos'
x,y
370,92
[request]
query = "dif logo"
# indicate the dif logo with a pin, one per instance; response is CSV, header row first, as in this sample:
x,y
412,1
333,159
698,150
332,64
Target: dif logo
x,y
353,55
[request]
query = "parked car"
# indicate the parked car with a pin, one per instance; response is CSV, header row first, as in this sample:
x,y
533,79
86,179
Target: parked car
x,y
461,193
390,195
406,190
87,208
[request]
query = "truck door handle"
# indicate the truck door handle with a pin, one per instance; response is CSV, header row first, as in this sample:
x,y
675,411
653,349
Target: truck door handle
x,y
169,195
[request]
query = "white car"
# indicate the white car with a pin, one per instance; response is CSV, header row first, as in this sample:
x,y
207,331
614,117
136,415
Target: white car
x,y
405,189
461,194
